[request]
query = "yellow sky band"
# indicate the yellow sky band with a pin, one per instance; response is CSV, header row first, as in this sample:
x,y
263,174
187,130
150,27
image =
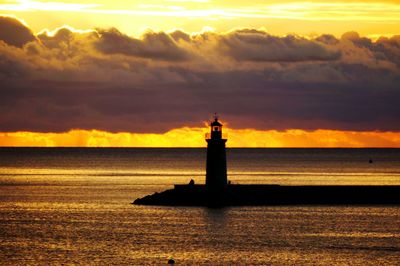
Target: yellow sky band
x,y
279,17
194,137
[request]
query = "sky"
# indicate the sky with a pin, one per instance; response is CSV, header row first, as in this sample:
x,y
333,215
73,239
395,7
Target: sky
x,y
151,74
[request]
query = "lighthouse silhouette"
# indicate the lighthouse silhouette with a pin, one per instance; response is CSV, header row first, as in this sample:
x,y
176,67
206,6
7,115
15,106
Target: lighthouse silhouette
x,y
216,177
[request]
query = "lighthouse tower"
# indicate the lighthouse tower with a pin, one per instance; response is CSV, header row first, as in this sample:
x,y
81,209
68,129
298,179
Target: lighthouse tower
x,y
216,178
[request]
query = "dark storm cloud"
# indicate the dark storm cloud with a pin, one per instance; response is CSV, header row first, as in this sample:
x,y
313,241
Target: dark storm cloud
x,y
107,80
245,100
13,32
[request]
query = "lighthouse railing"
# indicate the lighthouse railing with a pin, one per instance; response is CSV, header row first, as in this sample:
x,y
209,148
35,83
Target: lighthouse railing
x,y
224,136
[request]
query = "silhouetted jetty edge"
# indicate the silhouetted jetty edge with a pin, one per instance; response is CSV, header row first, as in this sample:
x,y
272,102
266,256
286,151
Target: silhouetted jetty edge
x,y
218,192
269,195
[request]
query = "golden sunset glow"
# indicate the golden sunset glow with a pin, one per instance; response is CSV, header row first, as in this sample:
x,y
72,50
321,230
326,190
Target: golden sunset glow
x,y
194,137
279,17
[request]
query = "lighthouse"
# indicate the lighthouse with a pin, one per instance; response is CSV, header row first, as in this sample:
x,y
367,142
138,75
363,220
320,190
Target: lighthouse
x,y
216,177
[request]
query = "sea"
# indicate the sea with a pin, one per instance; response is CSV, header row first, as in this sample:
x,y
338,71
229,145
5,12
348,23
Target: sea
x,y
72,206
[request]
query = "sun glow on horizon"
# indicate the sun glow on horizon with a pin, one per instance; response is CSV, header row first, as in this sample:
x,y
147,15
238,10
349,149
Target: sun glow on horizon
x,y
194,137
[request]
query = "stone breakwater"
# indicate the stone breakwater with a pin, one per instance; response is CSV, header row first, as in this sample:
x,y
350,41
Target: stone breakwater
x,y
256,195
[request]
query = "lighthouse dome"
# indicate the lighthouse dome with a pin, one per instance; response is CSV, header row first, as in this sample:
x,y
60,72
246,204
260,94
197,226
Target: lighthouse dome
x,y
216,123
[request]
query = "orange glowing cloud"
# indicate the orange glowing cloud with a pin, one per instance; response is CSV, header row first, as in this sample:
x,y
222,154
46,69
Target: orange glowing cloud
x,y
194,137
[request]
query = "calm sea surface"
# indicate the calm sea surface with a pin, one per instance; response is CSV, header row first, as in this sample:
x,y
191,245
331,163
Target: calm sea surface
x,y
72,206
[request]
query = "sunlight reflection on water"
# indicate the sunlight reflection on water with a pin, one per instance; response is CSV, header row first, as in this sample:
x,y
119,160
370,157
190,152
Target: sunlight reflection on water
x,y
62,214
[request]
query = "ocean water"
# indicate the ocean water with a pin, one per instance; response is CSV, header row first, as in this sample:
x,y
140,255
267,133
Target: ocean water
x,y
72,206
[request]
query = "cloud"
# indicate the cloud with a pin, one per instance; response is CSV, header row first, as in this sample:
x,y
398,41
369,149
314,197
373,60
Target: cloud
x,y
154,45
384,49
327,39
107,80
254,45
14,32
